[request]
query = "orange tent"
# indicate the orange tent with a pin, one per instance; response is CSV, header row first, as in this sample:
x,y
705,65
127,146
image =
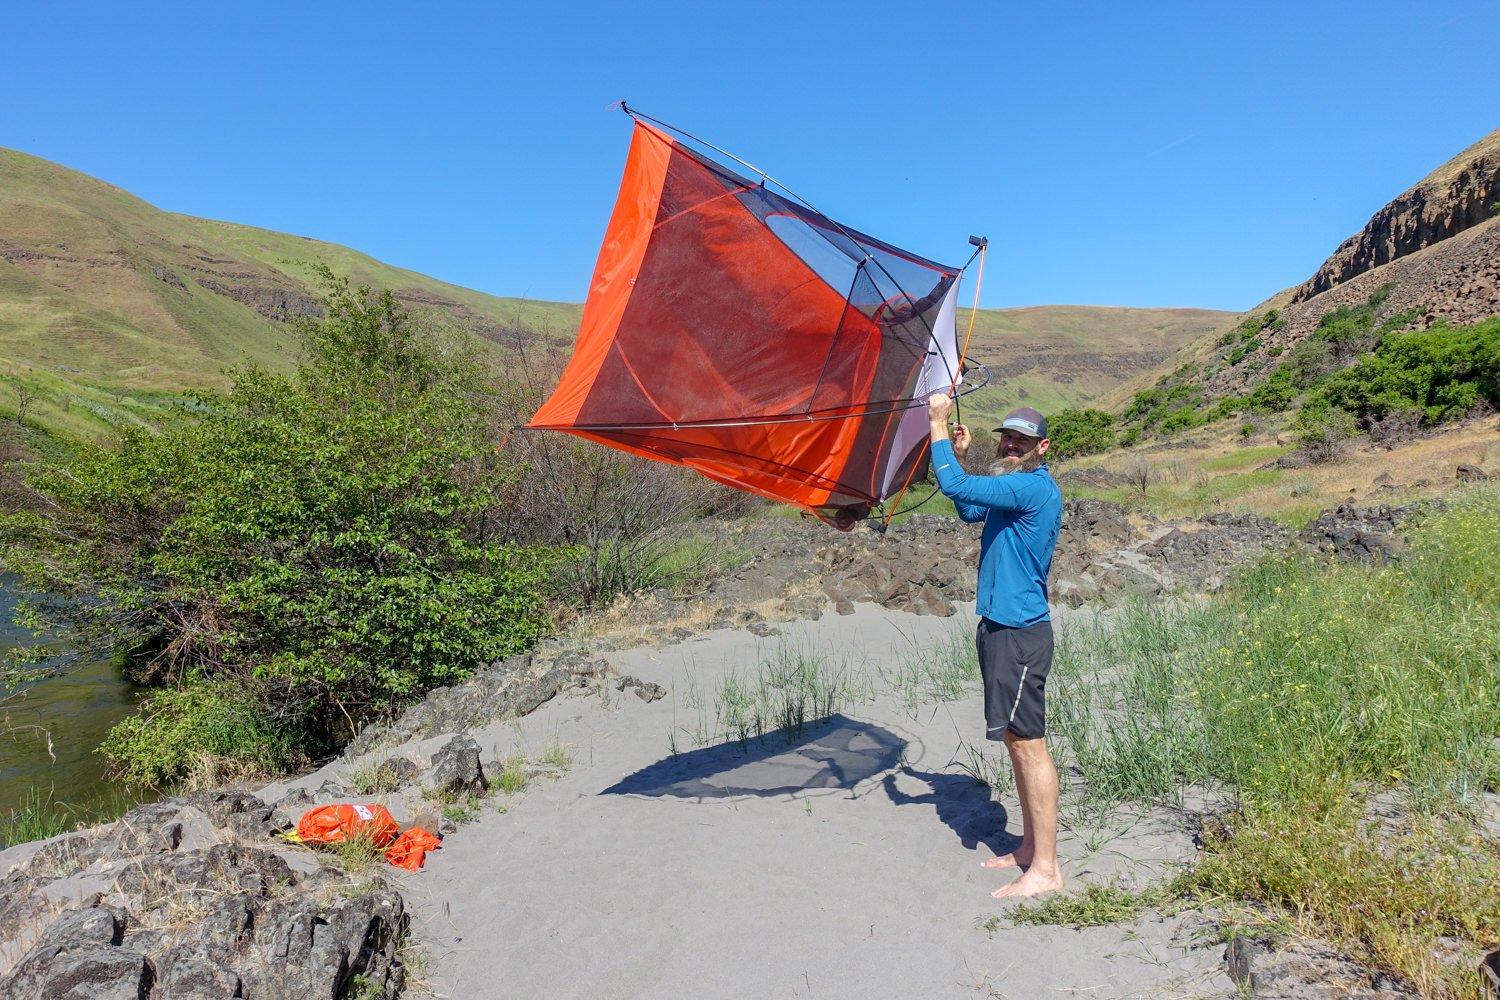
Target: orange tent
x,y
741,334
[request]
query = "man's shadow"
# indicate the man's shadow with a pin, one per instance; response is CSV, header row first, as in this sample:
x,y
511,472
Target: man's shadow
x,y
963,804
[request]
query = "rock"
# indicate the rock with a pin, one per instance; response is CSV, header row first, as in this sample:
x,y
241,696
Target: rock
x,y
80,954
647,691
1305,969
1471,474
456,770
395,772
1368,535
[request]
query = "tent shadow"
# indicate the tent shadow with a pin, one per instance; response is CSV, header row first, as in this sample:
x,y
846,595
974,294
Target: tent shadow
x,y
963,804
836,752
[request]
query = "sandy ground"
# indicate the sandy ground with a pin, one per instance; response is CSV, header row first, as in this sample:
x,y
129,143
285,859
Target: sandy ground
x,y
844,863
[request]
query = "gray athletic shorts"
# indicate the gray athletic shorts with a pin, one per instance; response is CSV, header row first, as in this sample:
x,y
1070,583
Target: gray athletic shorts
x,y
1014,663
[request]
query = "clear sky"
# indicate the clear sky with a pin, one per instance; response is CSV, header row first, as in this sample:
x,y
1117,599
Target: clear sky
x,y
1162,154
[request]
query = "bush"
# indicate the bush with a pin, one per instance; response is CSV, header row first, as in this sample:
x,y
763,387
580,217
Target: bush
x,y
1444,372
329,541
622,516
1275,394
1080,432
1322,428
180,733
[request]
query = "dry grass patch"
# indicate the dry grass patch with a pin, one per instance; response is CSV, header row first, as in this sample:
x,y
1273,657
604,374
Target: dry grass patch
x,y
1216,470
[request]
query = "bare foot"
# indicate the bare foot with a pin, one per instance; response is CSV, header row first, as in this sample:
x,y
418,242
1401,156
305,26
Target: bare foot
x,y
1015,859
1033,883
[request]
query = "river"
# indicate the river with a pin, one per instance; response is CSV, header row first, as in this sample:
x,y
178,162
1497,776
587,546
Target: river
x,y
72,711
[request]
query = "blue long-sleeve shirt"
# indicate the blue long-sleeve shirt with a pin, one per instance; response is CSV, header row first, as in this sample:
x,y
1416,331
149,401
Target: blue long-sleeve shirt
x,y
1022,512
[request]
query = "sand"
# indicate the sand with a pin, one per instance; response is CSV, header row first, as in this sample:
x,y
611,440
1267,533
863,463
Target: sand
x,y
842,863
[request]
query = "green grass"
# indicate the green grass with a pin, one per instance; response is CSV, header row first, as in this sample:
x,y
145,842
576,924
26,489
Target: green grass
x,y
924,676
795,686
512,777
40,816
1170,498
1307,692
1096,904
790,689
559,755
1253,457
357,853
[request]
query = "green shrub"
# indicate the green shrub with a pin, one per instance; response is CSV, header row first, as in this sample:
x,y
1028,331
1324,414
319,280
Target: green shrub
x,y
1443,371
329,540
1275,394
1080,432
1181,419
181,731
1243,351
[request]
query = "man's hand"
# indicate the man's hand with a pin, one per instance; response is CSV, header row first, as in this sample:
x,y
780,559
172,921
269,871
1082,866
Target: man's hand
x,y
961,440
938,408
939,405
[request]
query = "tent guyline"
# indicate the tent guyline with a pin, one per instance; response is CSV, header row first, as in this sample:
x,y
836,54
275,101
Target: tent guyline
x,y
747,336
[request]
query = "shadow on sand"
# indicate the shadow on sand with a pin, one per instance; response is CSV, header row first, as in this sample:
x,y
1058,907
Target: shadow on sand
x,y
836,752
962,804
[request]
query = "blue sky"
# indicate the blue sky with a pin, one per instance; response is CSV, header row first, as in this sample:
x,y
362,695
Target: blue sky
x,y
1167,154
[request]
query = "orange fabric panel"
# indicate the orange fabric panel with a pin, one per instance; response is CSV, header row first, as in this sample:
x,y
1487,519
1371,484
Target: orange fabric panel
x,y
410,849
625,242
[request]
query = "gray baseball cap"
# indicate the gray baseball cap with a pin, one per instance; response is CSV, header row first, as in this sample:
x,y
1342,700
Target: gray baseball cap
x,y
1026,421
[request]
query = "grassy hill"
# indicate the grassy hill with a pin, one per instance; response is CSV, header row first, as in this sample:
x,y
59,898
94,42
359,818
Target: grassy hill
x,y
110,307
1054,357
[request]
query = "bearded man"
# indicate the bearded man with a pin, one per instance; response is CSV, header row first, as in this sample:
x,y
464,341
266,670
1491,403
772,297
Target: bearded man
x,y
1021,508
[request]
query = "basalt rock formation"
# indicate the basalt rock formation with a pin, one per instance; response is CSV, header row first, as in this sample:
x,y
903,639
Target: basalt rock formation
x,y
1457,196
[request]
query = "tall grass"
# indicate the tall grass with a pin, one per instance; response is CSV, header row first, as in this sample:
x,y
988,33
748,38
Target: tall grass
x,y
793,687
38,817
1310,690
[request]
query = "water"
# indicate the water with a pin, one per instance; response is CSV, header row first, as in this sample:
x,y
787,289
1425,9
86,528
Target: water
x,y
49,730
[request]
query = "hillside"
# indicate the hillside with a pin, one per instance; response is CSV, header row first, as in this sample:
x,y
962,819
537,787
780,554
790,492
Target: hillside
x,y
110,307
1053,357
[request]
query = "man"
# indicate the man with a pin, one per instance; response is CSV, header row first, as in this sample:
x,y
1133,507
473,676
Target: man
x,y
1021,508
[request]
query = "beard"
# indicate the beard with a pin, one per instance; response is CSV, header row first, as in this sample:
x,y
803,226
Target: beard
x,y
1029,462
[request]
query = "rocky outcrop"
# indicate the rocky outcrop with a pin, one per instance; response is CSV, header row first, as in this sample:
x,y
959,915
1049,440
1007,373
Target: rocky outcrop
x,y
505,689
192,898
279,303
1371,535
1434,251
1457,196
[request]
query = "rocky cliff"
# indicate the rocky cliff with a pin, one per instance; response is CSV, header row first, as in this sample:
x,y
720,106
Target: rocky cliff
x,y
1457,196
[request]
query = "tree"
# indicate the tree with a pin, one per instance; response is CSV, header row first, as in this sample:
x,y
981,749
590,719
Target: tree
x,y
326,541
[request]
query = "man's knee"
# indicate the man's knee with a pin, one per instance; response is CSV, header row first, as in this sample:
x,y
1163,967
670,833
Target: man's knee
x,y
1026,747
1014,739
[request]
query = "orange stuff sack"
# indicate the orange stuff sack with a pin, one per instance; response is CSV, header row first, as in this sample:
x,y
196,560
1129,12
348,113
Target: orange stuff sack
x,y
410,849
332,824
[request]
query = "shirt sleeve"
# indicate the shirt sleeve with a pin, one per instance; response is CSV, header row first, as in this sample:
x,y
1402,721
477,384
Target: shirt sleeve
x,y
979,493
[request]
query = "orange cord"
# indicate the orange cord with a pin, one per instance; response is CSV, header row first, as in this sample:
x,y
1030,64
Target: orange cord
x,y
973,314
